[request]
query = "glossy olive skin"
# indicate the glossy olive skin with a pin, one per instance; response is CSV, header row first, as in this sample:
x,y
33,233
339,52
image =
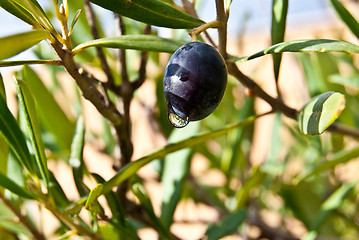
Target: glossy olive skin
x,y
195,80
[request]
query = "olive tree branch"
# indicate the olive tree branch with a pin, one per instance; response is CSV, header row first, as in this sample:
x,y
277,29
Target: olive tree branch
x,y
143,62
91,18
277,104
87,84
22,219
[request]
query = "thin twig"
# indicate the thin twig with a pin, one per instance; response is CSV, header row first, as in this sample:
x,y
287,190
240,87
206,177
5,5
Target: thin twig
x,y
142,70
23,220
122,52
91,18
189,7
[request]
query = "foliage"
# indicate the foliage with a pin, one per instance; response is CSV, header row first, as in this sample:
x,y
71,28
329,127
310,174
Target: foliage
x,y
315,196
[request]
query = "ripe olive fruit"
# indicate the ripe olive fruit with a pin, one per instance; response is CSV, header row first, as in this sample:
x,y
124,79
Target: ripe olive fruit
x,y
194,83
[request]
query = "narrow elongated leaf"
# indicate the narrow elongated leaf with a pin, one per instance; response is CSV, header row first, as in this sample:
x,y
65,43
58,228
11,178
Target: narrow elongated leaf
x,y
152,12
306,45
131,168
31,12
51,115
346,16
2,88
10,185
176,167
10,131
18,11
137,42
146,204
4,147
321,112
76,157
228,225
15,44
339,158
28,62
28,107
279,19
332,203
94,194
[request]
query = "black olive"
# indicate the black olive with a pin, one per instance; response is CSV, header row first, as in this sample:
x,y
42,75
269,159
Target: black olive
x,y
194,83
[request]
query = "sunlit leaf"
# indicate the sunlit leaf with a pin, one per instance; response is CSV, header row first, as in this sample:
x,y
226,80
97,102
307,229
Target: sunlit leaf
x,y
228,225
279,19
137,42
12,134
76,158
28,62
131,168
15,44
152,12
31,12
176,167
94,194
321,112
30,113
51,115
10,185
346,16
338,158
332,203
19,11
306,45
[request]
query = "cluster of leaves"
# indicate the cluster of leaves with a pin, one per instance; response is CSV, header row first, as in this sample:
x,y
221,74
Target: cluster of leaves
x,y
314,196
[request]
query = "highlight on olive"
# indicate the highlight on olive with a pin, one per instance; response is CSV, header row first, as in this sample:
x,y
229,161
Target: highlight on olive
x,y
194,83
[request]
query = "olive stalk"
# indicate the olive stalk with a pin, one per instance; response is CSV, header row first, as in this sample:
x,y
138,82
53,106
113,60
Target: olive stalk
x,y
198,30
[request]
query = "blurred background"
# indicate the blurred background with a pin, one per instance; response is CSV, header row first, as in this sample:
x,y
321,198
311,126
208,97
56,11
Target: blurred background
x,y
249,32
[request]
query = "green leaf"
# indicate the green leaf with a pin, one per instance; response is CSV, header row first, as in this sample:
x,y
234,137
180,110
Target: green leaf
x,y
94,194
15,44
28,62
338,158
332,203
279,18
76,158
10,185
152,12
137,42
176,167
28,107
321,112
257,177
4,147
306,45
146,204
31,12
19,11
302,199
51,115
131,168
346,16
12,134
228,225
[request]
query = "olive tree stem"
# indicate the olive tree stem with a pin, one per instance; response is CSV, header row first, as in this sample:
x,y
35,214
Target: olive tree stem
x,y
91,18
222,28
